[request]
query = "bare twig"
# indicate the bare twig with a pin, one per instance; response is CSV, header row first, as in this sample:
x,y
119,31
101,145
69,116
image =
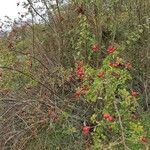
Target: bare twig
x,y
121,126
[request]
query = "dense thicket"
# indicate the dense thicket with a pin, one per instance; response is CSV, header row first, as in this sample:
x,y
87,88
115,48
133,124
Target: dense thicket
x,y
38,69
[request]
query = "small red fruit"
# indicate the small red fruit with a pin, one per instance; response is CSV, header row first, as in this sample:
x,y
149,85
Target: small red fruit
x,y
144,139
106,116
111,49
128,66
134,93
77,94
110,118
80,70
80,73
95,47
101,75
86,130
114,64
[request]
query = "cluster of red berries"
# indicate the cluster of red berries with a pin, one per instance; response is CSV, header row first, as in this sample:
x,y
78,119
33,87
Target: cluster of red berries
x,y
108,117
114,64
81,91
96,47
101,74
117,64
111,49
80,70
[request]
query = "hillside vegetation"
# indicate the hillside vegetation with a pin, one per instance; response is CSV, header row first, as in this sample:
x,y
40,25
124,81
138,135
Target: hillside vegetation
x,y
74,75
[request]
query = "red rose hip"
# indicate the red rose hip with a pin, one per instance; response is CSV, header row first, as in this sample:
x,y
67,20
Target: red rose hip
x,y
110,118
95,47
144,139
134,93
106,116
86,130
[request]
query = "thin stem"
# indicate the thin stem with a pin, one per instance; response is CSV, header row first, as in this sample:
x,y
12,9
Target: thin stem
x,y
121,126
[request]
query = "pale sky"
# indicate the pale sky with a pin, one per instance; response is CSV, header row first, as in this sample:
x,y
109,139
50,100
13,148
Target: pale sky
x,y
9,8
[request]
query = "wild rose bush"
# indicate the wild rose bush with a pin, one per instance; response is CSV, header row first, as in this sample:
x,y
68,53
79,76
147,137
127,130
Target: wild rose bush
x,y
107,85
114,121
